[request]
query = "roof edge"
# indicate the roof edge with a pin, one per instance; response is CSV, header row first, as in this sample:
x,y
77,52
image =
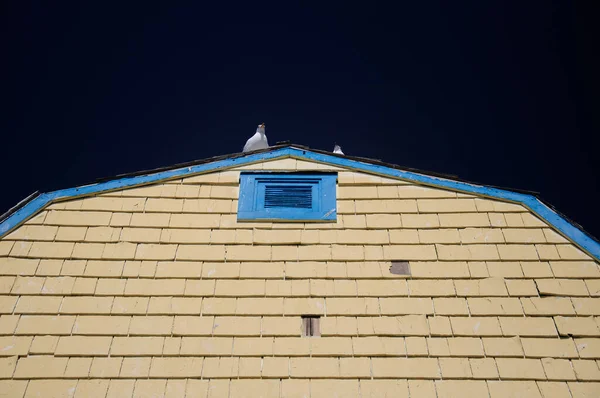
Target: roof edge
x,y
19,205
31,205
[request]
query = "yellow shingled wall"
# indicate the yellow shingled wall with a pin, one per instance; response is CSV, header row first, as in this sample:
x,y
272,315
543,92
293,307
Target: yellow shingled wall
x,y
159,290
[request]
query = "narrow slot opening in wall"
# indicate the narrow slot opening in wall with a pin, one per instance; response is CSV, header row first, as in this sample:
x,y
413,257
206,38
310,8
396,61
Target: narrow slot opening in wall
x,y
311,326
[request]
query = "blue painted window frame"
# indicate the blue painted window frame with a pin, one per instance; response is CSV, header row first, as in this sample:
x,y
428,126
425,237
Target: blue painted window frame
x,y
251,199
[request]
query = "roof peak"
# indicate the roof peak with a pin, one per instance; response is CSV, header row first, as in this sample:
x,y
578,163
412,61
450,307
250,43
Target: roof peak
x,y
573,232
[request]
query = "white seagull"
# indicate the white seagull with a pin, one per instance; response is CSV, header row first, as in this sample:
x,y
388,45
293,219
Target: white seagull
x,y
258,140
338,149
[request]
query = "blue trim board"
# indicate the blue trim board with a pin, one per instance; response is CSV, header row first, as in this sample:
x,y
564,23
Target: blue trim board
x,y
571,232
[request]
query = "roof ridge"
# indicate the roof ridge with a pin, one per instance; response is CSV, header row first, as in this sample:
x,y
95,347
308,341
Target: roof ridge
x,y
34,203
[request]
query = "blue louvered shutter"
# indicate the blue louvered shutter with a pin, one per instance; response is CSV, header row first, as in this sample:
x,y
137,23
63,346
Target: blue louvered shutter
x,y
290,196
287,196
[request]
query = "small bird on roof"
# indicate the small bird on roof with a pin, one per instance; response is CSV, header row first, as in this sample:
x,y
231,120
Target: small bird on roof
x,y
258,140
338,149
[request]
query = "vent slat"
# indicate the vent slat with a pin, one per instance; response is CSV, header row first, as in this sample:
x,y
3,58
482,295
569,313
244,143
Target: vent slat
x,y
291,196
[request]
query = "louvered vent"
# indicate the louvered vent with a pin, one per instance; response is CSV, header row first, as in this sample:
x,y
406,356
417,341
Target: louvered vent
x,y
290,196
293,197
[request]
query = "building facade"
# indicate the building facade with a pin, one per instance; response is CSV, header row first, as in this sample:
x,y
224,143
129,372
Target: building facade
x,y
153,285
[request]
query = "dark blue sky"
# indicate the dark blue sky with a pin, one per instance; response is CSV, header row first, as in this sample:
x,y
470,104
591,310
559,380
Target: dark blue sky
x,y
501,93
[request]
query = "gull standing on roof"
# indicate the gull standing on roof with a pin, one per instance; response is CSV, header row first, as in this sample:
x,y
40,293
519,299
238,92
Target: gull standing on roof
x,y
258,140
338,149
